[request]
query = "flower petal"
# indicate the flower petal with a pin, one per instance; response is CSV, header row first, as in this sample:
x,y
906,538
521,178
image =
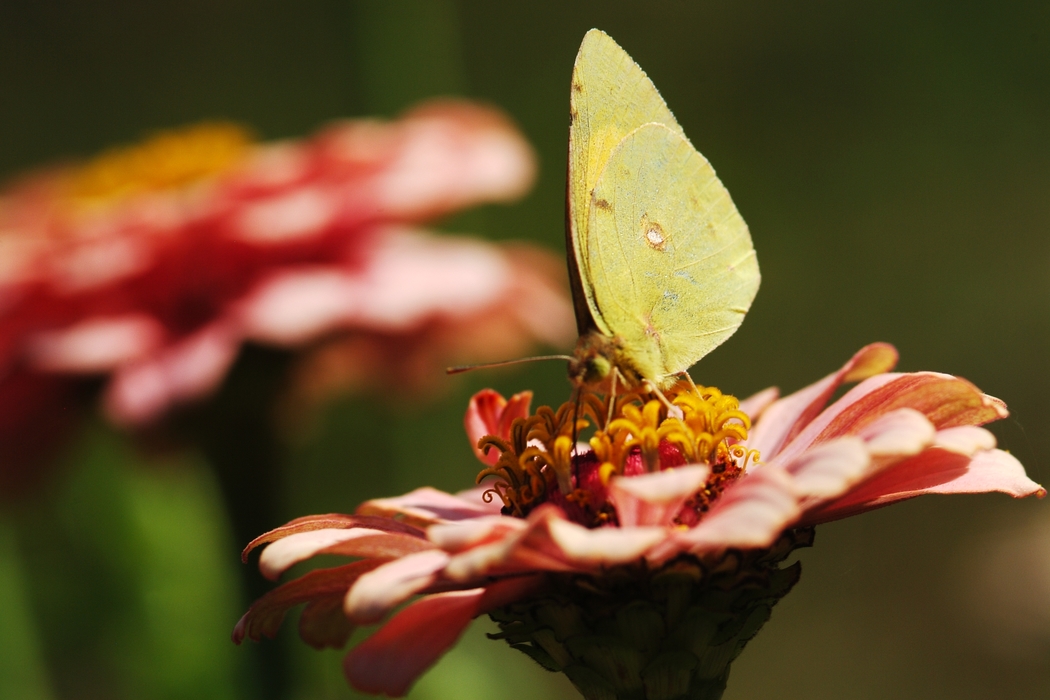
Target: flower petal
x,y
425,506
655,499
482,496
391,660
356,542
784,419
453,154
265,615
965,439
378,592
900,433
946,401
606,546
756,404
488,413
322,623
329,521
510,548
185,370
749,515
96,344
284,553
935,470
830,468
456,537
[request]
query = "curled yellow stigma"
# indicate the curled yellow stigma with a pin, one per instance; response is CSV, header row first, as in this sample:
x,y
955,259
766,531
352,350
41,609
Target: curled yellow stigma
x,y
169,159
705,425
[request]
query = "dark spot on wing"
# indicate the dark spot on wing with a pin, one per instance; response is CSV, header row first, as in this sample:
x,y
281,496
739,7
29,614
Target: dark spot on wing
x,y
576,87
602,204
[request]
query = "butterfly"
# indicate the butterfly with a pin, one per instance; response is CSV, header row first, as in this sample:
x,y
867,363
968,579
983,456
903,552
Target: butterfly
x,y
661,263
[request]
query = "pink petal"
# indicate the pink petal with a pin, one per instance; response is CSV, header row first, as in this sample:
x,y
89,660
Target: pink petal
x,y
900,433
286,552
607,546
359,542
756,404
965,439
488,413
749,515
784,419
295,306
425,506
482,496
96,345
265,615
830,468
386,545
655,499
412,276
503,555
189,369
451,155
392,659
380,591
516,550
322,623
310,523
294,215
946,401
935,470
456,537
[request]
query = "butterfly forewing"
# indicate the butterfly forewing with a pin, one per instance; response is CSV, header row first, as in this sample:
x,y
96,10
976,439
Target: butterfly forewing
x,y
610,97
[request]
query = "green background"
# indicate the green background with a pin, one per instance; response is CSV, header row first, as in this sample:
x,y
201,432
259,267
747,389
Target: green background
x,y
892,161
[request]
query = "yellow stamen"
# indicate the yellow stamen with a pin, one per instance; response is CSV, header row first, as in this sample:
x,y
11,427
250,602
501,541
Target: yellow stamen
x,y
705,425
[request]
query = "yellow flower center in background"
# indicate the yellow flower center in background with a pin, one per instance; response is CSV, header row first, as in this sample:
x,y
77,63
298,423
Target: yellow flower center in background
x,y
169,159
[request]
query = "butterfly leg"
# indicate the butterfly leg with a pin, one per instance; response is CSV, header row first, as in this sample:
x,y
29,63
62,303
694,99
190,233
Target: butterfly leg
x,y
672,410
612,395
692,384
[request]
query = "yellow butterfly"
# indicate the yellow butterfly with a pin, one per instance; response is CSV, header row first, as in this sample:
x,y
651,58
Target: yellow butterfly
x,y
660,261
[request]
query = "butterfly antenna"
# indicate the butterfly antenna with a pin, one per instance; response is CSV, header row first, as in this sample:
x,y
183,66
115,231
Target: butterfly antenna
x,y
504,363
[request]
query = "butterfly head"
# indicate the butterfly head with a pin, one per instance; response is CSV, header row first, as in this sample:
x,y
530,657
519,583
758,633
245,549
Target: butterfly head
x,y
595,359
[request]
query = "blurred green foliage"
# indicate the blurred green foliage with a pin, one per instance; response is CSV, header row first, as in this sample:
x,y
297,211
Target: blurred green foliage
x,y
892,160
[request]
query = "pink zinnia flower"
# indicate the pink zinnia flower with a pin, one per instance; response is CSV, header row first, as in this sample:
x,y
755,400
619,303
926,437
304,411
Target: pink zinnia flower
x,y
150,265
640,564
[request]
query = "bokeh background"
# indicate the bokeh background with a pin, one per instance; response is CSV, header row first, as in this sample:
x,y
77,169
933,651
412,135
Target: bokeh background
x,y
893,162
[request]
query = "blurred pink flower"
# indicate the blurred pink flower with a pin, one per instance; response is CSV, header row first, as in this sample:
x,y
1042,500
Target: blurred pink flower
x,y
151,264
702,496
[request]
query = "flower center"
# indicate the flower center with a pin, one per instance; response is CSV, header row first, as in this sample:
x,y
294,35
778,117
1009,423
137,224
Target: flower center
x,y
169,159
633,433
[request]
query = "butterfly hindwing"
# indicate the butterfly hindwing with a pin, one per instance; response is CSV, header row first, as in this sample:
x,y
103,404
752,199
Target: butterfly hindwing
x,y
669,258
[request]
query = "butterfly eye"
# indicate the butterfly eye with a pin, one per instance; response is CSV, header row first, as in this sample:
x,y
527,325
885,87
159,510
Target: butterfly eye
x,y
596,369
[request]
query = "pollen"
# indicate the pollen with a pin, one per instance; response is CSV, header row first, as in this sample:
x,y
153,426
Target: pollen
x,y
169,159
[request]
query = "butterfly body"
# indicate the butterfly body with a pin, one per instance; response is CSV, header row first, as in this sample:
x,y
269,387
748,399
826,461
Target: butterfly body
x,y
661,262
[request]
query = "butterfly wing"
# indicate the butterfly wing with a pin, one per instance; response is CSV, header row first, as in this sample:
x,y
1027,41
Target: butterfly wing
x,y
610,97
669,258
